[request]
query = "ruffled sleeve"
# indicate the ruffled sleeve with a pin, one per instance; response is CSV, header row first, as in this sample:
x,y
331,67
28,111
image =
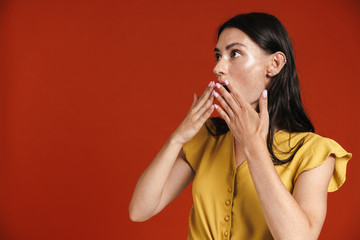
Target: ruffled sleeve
x,y
195,148
318,150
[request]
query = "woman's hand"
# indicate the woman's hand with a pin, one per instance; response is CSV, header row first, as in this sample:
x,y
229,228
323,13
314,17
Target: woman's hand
x,y
199,112
244,122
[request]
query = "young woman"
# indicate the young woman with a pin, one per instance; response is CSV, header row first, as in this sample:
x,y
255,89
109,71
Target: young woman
x,y
259,171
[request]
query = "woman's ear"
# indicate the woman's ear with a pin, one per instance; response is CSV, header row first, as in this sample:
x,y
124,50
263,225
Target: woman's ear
x,y
276,63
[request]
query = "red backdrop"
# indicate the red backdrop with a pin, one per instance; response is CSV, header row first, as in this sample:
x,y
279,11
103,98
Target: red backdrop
x,y
90,90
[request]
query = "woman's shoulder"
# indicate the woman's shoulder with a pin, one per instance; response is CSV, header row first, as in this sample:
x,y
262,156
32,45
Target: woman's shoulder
x,y
195,148
314,151
309,140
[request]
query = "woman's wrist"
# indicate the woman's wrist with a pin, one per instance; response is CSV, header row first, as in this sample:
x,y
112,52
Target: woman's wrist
x,y
254,146
176,139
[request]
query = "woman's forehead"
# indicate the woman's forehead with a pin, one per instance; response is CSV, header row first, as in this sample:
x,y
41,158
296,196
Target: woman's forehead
x,y
233,37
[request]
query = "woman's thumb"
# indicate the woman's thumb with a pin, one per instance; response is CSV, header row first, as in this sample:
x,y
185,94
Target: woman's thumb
x,y
195,99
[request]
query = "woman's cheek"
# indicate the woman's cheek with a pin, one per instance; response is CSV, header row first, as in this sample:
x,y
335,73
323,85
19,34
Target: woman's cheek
x,y
248,62
244,67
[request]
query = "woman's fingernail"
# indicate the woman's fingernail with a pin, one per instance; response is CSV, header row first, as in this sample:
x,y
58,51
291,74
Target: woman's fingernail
x,y
212,107
264,93
210,84
226,82
218,85
215,93
215,106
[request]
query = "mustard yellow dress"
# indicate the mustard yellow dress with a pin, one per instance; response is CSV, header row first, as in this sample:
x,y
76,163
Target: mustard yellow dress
x,y
225,203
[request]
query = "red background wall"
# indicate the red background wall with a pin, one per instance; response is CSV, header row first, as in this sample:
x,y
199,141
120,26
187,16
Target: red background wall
x,y
90,90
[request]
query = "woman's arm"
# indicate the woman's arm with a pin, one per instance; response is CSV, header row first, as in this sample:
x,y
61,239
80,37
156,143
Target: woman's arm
x,y
169,173
297,216
162,181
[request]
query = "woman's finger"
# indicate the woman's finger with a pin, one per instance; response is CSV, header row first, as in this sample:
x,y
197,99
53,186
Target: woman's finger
x,y
263,106
204,96
223,114
224,104
204,107
240,100
208,113
228,97
196,98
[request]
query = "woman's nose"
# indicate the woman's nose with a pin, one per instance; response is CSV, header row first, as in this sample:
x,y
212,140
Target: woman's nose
x,y
219,68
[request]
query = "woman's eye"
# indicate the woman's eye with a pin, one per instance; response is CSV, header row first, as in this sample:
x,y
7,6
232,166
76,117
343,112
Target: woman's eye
x,y
235,54
217,57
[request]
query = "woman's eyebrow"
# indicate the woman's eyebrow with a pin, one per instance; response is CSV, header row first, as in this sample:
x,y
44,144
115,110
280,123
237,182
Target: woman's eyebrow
x,y
230,46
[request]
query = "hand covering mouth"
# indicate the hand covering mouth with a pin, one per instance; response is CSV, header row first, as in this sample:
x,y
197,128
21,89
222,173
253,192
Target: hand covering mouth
x,y
227,89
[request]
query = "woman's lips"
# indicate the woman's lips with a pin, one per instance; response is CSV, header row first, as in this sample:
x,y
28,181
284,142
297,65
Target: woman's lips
x,y
221,81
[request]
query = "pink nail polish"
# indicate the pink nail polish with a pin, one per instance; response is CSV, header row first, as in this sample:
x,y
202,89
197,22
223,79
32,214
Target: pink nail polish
x,y
210,84
264,93
226,82
218,85
215,94
216,106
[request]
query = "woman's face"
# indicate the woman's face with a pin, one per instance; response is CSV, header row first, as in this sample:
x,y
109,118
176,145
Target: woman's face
x,y
243,63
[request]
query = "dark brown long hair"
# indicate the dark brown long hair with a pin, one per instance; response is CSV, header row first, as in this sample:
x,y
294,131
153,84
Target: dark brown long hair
x,y
285,108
